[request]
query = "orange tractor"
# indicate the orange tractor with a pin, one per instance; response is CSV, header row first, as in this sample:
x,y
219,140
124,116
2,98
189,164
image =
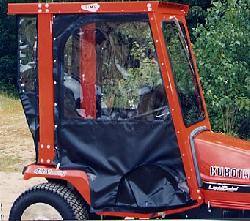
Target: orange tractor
x,y
113,99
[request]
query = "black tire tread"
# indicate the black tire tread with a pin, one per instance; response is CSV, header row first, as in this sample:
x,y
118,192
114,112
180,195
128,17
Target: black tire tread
x,y
75,203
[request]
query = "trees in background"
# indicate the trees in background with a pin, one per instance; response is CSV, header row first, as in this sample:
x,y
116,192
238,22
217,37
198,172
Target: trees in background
x,y
220,34
222,49
8,50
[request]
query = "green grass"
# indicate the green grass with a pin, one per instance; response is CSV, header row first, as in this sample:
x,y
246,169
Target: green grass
x,y
9,104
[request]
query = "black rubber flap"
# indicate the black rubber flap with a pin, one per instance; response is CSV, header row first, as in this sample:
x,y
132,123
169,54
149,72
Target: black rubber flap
x,y
132,166
29,102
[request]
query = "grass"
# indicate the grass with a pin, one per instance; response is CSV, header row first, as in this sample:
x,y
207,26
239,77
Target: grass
x,y
16,144
9,105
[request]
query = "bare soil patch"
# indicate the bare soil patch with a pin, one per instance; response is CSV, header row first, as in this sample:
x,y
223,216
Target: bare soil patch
x,y
16,151
16,144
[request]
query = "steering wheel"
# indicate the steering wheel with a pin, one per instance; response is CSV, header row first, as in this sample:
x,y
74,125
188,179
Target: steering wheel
x,y
152,112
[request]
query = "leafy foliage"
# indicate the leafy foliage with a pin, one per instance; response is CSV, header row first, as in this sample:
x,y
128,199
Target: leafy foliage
x,y
223,52
7,50
142,70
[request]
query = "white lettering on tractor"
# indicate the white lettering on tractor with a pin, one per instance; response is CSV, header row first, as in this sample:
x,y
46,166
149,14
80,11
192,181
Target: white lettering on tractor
x,y
223,188
43,171
91,7
230,172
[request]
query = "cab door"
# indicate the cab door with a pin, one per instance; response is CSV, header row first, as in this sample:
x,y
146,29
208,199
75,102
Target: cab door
x,y
114,120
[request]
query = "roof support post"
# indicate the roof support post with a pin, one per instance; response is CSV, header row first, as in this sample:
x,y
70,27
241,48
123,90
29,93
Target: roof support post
x,y
46,91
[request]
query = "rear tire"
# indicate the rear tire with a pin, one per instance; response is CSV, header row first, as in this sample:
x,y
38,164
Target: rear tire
x,y
60,198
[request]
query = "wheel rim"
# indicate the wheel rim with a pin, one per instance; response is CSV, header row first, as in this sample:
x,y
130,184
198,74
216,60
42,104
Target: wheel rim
x,y
41,211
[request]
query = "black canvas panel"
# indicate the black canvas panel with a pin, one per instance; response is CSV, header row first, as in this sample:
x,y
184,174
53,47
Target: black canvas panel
x,y
29,102
132,166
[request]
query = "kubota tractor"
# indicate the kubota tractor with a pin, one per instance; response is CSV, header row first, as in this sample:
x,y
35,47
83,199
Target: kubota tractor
x,y
113,99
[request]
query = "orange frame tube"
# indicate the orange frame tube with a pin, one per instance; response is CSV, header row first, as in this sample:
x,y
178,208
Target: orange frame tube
x,y
46,90
88,70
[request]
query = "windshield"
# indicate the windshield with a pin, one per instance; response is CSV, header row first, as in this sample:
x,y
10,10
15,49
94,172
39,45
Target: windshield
x,y
111,71
183,72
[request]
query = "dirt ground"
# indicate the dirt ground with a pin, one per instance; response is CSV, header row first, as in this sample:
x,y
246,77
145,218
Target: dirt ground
x,y
12,185
16,151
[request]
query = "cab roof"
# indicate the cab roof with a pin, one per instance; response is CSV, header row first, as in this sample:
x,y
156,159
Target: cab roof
x,y
97,7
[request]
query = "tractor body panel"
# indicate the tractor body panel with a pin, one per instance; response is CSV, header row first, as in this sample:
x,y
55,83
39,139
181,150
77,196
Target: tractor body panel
x,y
223,159
224,168
78,179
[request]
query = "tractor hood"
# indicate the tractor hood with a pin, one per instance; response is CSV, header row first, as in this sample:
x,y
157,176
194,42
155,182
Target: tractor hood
x,y
222,158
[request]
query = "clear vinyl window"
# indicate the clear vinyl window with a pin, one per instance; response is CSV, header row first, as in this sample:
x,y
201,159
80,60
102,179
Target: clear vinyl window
x,y
111,72
27,53
27,70
183,71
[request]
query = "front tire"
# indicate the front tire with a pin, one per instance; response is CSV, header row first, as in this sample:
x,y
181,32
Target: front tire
x,y
49,201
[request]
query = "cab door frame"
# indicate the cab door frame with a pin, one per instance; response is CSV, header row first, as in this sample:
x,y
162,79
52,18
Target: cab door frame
x,y
184,134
